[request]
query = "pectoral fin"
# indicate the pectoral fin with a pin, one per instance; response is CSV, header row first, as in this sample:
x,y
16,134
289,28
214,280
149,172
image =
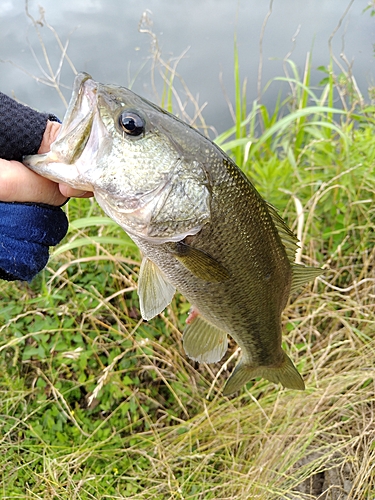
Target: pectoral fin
x,y
286,374
154,291
199,263
204,342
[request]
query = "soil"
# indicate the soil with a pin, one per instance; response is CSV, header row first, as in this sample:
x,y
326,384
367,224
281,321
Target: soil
x,y
331,484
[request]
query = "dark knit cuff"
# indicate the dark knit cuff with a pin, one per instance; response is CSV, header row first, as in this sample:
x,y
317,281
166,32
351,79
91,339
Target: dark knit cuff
x,y
21,129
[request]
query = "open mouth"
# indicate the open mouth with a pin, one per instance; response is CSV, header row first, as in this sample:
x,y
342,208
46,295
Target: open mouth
x,y
60,164
76,128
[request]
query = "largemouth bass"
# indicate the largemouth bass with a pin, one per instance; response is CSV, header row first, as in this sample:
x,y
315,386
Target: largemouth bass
x,y
201,225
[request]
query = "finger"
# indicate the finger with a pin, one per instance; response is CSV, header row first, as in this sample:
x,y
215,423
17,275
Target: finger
x,y
18,183
49,136
70,192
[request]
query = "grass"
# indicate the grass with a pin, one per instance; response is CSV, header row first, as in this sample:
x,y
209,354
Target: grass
x,y
96,404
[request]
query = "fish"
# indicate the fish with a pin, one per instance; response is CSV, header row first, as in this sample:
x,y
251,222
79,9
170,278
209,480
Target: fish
x,y
200,224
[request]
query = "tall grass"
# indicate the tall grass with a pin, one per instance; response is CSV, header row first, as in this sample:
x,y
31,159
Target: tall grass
x,y
97,404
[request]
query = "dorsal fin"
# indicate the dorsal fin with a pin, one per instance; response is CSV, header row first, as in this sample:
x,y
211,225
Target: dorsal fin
x,y
288,238
300,274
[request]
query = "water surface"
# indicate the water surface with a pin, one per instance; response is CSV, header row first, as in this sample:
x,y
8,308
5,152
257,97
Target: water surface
x,y
104,40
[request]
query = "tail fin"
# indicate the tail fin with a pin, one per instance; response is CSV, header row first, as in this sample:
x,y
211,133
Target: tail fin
x,y
286,374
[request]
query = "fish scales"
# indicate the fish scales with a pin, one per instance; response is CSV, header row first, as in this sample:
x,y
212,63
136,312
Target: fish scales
x,y
260,279
202,227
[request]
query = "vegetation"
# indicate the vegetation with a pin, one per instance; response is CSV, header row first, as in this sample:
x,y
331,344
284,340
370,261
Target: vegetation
x,y
97,404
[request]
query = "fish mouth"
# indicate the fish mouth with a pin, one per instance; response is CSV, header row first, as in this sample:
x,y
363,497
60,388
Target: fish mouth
x,y
77,123
76,100
60,163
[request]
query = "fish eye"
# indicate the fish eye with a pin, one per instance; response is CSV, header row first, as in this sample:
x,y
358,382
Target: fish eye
x,y
131,123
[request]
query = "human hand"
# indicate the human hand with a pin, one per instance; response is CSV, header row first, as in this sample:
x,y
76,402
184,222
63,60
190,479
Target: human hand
x,y
20,184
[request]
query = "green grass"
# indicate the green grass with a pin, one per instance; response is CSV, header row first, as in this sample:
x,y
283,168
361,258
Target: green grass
x,y
96,404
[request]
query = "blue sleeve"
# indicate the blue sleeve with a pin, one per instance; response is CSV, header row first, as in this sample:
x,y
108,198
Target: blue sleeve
x,y
26,233
26,229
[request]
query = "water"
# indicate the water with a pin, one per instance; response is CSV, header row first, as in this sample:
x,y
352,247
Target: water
x,y
104,40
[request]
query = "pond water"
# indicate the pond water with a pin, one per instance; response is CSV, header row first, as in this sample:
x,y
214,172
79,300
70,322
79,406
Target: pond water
x,y
105,40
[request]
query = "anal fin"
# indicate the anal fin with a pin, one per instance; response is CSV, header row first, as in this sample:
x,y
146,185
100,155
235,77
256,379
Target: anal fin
x,y
286,374
204,342
154,291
